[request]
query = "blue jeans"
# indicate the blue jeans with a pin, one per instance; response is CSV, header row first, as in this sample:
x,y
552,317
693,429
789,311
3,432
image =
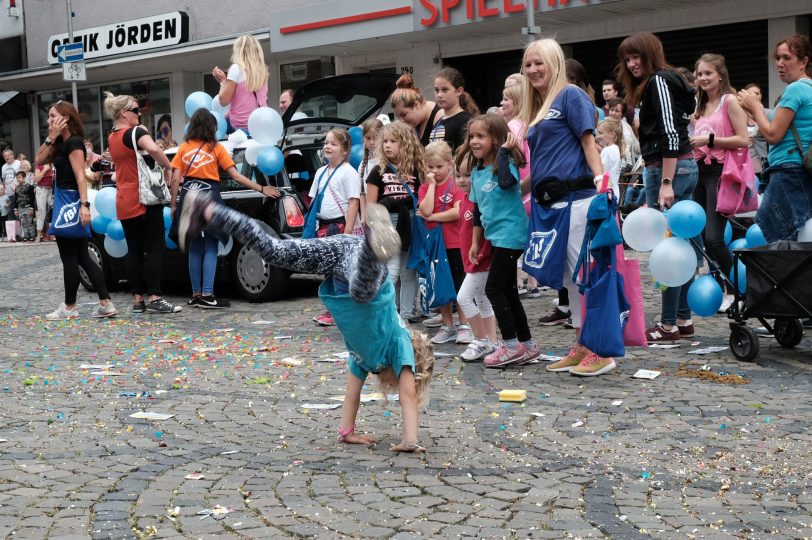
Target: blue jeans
x,y
675,299
203,264
634,195
787,203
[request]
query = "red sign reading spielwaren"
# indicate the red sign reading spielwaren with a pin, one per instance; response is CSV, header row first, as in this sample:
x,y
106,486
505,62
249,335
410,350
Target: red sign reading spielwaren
x,y
432,12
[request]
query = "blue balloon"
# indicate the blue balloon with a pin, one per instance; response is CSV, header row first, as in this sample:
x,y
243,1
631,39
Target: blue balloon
x,y
738,243
167,217
169,243
270,160
186,128
356,155
222,127
115,248
356,135
705,296
197,100
115,230
686,219
755,237
106,202
742,277
728,233
99,224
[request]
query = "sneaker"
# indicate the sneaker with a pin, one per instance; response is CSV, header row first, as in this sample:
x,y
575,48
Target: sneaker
x,y
325,319
412,319
532,351
191,220
658,334
570,361
556,317
161,305
139,307
212,302
534,293
62,312
522,291
464,334
727,301
104,311
504,356
686,330
568,325
444,335
381,234
194,301
477,350
434,322
593,365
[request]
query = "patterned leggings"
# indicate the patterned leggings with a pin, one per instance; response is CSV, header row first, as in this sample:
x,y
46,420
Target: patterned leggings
x,y
344,257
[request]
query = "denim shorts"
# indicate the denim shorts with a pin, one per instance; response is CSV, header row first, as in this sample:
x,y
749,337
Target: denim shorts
x,y
787,203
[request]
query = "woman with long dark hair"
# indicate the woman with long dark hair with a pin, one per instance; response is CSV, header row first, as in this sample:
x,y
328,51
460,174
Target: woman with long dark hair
x,y
65,149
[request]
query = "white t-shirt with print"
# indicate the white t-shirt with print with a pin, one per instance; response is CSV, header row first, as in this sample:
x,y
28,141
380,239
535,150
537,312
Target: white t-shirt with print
x,y
344,185
610,158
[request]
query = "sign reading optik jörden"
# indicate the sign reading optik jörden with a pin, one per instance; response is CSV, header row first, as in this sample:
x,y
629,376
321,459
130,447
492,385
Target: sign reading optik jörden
x,y
127,36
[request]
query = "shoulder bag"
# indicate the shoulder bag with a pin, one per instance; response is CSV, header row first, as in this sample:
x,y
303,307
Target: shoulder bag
x,y
152,188
736,192
66,222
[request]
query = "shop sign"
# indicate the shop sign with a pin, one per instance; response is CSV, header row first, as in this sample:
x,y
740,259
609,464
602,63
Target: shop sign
x,y
128,36
436,13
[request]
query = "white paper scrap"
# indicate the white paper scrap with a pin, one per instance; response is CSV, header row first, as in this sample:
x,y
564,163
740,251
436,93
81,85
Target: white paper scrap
x,y
550,358
646,374
106,373
579,423
282,337
262,322
708,350
319,406
195,476
146,415
95,366
617,403
343,355
663,346
537,414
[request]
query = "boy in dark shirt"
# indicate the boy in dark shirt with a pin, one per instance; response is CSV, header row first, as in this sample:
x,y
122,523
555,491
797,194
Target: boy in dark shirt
x,y
24,202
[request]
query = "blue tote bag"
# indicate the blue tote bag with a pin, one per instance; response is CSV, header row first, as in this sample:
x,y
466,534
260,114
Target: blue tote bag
x,y
312,219
66,222
440,290
607,311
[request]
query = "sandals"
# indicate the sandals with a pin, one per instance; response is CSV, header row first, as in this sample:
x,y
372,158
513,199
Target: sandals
x,y
407,448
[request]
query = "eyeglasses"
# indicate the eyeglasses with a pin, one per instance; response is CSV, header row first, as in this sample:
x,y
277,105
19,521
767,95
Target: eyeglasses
x,y
134,110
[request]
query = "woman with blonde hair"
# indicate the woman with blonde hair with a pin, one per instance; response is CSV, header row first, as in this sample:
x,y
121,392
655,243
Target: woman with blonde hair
x,y
564,166
411,107
245,87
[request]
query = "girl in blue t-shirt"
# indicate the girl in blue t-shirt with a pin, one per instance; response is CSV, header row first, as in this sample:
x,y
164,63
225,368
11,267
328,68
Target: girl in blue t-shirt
x,y
499,214
359,295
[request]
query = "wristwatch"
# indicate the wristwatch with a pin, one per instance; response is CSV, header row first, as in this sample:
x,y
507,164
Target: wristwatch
x,y
48,141
666,181
86,204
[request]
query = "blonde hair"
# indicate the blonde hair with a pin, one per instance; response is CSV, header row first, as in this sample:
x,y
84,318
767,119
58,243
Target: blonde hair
x,y
613,126
368,125
412,159
247,53
406,93
113,105
534,108
513,79
423,369
439,150
514,93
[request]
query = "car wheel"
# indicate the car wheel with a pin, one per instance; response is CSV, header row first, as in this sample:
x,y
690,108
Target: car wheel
x,y
254,278
95,256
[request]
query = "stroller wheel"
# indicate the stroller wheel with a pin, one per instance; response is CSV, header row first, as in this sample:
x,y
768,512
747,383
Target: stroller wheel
x,y
788,332
743,343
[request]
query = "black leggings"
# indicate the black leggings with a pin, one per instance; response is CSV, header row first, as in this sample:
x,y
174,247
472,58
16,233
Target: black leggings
x,y
74,253
714,233
504,296
145,250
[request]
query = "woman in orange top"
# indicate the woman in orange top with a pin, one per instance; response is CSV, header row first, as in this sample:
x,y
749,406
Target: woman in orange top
x,y
197,165
143,225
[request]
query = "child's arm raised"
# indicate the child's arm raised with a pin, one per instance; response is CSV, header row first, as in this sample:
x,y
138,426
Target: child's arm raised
x,y
349,411
507,179
426,206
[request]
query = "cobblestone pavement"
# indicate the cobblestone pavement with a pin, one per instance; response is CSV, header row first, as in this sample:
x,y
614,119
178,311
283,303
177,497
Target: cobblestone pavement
x,y
613,456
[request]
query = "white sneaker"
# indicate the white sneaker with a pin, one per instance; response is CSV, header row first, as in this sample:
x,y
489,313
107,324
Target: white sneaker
x,y
434,322
464,334
727,301
62,312
381,234
104,311
477,350
444,335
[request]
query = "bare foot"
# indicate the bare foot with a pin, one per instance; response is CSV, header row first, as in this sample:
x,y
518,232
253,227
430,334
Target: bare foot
x,y
407,448
355,438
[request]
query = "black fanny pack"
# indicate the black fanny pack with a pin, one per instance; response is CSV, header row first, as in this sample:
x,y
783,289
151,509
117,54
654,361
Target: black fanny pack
x,y
552,191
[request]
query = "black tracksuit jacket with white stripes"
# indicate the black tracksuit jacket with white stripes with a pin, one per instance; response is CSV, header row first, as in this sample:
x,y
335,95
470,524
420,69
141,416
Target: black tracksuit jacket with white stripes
x,y
665,111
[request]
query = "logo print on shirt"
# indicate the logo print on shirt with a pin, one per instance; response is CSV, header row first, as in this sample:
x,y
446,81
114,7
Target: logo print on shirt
x,y
539,248
468,216
552,113
203,158
446,198
624,318
488,186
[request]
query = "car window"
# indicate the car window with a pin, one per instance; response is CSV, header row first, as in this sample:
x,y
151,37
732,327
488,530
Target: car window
x,y
330,107
247,170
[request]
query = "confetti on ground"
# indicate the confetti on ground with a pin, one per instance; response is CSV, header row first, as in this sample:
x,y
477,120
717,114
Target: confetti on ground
x,y
710,376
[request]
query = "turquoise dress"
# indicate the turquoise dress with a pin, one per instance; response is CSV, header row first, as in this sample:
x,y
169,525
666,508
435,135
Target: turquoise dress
x,y
374,333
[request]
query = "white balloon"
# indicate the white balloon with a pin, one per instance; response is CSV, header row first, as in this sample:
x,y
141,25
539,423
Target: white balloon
x,y
805,234
216,107
223,250
265,125
673,262
644,228
298,115
252,149
115,248
91,198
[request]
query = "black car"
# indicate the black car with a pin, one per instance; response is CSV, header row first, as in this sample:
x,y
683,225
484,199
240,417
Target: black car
x,y
341,101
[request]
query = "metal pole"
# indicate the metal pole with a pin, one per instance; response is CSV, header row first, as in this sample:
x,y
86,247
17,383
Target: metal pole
x,y
532,30
70,40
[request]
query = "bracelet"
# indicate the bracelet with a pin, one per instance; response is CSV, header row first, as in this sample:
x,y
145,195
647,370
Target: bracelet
x,y
711,136
342,433
260,188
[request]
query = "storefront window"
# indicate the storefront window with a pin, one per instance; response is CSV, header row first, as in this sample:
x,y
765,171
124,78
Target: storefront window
x,y
298,74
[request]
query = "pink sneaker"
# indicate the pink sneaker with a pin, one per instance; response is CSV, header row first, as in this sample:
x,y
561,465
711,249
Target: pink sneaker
x,y
505,355
325,319
532,353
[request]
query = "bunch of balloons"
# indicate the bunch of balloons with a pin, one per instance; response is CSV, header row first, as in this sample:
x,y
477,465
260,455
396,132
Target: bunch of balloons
x,y
103,220
201,100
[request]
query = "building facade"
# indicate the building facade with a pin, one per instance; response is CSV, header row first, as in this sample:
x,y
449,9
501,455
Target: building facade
x,y
160,56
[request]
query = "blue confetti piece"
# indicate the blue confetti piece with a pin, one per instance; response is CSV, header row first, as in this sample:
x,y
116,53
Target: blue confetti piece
x,y
502,427
387,413
722,426
60,416
645,475
159,434
767,420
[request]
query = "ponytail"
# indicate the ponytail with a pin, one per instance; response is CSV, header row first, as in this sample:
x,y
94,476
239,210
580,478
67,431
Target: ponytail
x,y
468,104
